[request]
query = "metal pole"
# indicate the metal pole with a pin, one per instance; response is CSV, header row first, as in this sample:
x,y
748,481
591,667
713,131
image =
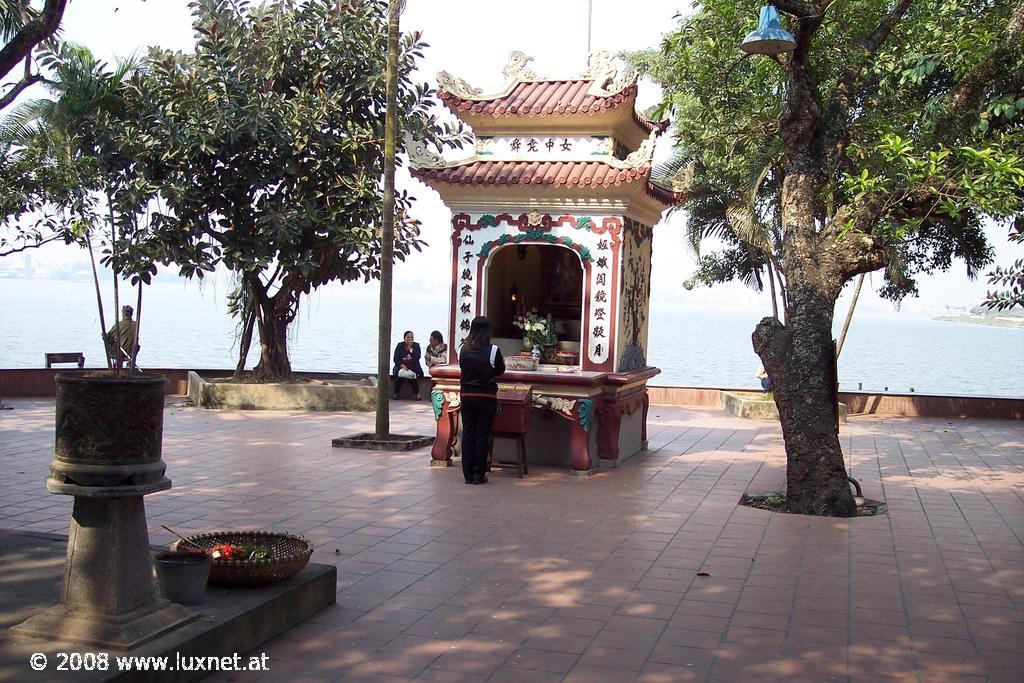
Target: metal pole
x,y
383,426
590,11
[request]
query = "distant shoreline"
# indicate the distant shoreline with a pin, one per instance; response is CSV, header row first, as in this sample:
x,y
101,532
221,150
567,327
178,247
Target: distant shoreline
x,y
995,321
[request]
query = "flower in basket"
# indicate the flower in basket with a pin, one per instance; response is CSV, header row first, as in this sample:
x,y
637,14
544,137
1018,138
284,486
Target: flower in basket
x,y
227,551
535,328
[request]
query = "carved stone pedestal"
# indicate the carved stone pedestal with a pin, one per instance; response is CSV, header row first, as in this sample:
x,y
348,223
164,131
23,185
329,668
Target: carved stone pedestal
x,y
108,456
109,596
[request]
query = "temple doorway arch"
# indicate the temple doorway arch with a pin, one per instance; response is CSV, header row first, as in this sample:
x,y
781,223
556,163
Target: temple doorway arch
x,y
546,277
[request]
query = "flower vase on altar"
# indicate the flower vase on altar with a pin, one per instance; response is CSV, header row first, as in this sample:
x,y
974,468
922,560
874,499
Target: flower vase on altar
x,y
535,329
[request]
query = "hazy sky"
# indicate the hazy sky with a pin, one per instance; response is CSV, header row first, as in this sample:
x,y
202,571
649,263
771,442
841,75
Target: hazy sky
x,y
472,39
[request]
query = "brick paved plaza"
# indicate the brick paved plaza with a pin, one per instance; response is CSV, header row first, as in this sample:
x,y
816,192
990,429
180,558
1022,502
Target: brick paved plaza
x,y
555,577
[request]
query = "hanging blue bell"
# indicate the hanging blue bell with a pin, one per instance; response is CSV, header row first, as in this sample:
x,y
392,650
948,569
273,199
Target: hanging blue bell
x,y
769,38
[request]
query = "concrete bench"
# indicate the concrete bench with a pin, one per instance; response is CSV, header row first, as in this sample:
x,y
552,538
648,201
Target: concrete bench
x,y
78,358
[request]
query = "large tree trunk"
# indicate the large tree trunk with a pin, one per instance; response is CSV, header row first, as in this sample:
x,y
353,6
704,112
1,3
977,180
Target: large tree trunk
x,y
272,324
799,358
245,341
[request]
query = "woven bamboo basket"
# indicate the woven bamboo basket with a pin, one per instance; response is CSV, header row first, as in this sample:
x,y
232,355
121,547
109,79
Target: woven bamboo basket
x,y
289,554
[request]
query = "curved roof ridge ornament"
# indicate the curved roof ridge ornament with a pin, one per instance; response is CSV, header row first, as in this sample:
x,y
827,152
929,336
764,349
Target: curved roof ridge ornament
x,y
420,155
607,78
682,181
517,69
644,153
457,86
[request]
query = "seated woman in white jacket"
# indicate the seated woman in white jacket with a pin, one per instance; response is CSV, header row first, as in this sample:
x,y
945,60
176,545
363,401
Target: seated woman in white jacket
x,y
437,351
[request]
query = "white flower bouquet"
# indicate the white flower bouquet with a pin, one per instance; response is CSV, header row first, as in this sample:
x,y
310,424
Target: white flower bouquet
x,y
535,329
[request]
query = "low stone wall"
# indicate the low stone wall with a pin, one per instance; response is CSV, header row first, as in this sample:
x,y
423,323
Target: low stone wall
x,y
920,405
900,405
38,382
334,395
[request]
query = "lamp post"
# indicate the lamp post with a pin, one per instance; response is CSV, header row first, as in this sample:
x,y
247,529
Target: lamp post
x,y
769,38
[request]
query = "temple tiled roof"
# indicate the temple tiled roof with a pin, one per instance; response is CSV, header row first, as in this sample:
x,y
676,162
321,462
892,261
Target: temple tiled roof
x,y
545,173
540,98
548,98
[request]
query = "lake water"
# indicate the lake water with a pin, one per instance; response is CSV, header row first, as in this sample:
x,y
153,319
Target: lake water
x,y
187,326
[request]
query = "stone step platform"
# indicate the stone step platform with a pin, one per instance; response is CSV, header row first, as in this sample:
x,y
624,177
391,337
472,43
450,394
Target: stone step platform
x,y
233,620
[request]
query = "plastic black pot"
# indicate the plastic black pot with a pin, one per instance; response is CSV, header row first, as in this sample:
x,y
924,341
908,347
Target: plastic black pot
x,y
183,576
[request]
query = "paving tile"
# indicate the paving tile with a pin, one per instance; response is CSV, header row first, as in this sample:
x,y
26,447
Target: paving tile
x,y
385,666
667,653
513,674
432,675
583,673
636,624
627,640
934,666
439,628
655,672
758,620
939,629
573,626
418,645
468,662
558,643
552,577
699,622
542,660
614,658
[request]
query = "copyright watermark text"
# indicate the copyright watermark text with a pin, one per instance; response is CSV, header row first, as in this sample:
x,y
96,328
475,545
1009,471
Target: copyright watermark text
x,y
103,661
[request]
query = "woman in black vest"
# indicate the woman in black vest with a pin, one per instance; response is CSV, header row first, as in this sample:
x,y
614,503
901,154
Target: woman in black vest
x,y
480,362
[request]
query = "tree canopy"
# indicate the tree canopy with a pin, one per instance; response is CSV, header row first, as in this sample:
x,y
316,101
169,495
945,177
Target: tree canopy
x,y
65,152
921,134
271,139
882,141
23,30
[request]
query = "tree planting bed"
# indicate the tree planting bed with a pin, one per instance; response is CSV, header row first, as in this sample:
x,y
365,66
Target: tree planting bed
x,y
754,405
313,393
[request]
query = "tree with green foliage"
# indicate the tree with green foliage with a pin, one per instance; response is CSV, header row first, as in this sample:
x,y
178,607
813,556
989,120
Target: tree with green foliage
x,y
23,30
899,126
272,153
66,152
1011,277
739,209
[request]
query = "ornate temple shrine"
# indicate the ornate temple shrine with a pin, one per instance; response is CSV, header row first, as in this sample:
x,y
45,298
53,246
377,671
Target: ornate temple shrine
x,y
552,216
